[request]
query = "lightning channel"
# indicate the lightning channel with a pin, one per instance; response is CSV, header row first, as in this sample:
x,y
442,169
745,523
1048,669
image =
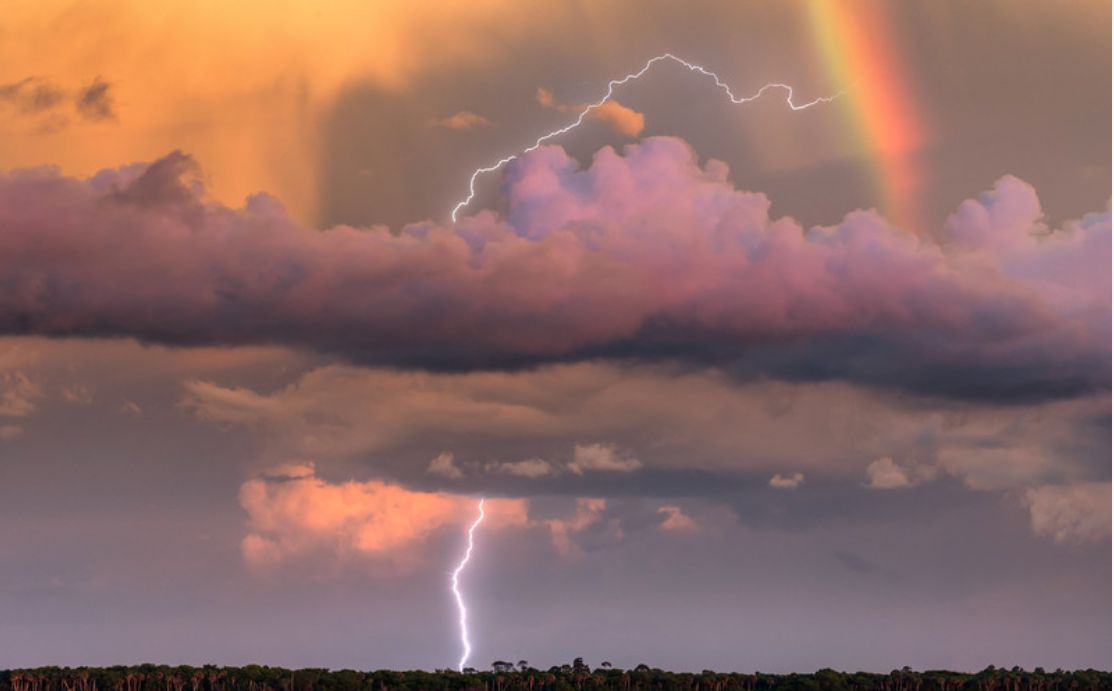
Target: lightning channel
x,y
722,85
466,645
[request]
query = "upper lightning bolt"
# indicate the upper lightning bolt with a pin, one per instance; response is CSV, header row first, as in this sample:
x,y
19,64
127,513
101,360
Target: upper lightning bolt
x,y
607,96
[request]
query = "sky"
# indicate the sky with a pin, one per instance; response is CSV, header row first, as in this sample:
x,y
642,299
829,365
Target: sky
x,y
745,387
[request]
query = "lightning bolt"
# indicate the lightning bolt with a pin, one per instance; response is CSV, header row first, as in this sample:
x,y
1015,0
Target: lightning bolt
x,y
607,96
465,644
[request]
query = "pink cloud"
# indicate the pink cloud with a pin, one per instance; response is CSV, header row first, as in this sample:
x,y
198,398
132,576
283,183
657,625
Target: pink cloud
x,y
294,513
647,254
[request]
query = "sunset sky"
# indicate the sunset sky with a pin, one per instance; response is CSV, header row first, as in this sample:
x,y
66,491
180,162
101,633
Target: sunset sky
x,y
745,387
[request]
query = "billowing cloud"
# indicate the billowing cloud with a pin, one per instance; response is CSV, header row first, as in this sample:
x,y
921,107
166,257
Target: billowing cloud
x,y
292,513
788,481
646,255
1071,513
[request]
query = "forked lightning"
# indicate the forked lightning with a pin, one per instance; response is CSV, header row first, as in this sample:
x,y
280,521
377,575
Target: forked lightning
x,y
607,96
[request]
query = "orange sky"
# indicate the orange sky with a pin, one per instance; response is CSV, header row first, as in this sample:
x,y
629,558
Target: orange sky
x,y
244,87
240,86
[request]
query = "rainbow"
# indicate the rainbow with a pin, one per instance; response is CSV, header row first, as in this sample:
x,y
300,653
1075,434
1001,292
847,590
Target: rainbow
x,y
857,53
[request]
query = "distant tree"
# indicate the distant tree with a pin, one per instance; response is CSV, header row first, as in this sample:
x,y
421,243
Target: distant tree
x,y
523,665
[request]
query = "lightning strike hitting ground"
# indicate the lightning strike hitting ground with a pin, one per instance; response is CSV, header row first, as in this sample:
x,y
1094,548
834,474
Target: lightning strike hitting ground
x,y
607,96
456,589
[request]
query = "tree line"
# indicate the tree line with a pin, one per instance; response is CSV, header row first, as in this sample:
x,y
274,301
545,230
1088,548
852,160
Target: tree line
x,y
520,676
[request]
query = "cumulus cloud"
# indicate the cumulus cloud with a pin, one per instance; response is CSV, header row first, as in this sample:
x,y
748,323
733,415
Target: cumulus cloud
x,y
646,255
621,119
1071,513
675,520
791,481
462,121
293,513
606,458
445,466
884,473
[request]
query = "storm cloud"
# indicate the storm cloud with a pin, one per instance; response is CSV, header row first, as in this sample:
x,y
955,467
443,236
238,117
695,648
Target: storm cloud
x,y
644,255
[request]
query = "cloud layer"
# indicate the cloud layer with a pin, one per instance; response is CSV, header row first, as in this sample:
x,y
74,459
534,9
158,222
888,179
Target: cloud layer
x,y
645,255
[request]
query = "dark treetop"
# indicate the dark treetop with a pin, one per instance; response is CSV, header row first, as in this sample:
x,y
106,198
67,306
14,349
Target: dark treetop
x,y
515,676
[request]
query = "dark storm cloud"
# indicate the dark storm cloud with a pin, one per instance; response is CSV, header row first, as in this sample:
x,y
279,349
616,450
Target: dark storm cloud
x,y
49,104
644,256
95,102
31,95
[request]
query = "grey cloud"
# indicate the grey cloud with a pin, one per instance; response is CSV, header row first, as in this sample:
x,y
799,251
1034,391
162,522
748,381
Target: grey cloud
x,y
95,102
49,104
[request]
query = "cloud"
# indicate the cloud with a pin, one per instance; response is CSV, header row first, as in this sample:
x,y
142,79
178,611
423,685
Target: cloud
x,y
445,466
792,481
1071,513
10,432
675,520
623,120
46,102
31,95
78,394
645,256
589,512
19,395
668,418
294,513
604,458
95,101
883,473
529,468
462,121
